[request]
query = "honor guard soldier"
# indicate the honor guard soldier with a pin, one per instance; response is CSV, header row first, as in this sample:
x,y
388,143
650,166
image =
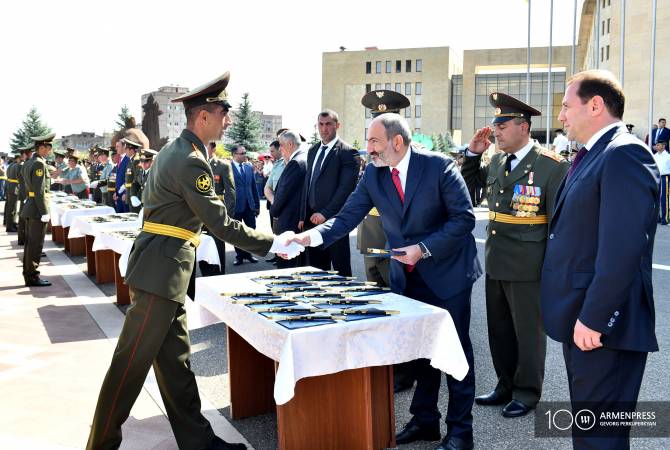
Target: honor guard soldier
x,y
178,199
521,184
60,166
26,153
370,232
146,161
111,179
36,210
104,171
134,141
12,192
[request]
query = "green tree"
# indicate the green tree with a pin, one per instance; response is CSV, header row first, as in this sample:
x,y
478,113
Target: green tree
x,y
315,139
124,116
246,127
437,142
356,144
32,126
150,126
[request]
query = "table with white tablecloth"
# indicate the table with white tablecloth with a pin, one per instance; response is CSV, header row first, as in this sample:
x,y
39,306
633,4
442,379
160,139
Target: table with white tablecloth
x,y
63,210
354,355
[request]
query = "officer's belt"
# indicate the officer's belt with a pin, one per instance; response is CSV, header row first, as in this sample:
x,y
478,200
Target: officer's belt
x,y
129,185
11,180
31,194
508,218
3,177
172,231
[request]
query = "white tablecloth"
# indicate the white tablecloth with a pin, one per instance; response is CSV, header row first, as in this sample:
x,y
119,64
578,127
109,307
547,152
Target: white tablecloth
x,y
63,216
206,251
85,225
419,331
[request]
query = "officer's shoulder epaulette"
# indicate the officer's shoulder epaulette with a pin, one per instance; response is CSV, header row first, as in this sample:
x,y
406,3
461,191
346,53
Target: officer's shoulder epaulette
x,y
550,154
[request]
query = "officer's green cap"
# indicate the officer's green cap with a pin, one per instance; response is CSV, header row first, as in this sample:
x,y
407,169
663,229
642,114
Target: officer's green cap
x,y
103,151
507,108
44,139
212,92
59,153
136,138
25,148
384,101
148,154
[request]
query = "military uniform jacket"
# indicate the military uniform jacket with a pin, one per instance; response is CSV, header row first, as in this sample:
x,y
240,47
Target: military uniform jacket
x,y
515,251
36,180
22,182
179,192
12,174
224,183
371,232
133,185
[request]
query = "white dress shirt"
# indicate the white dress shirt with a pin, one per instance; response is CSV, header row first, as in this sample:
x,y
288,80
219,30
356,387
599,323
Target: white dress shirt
x,y
329,147
589,145
663,162
521,154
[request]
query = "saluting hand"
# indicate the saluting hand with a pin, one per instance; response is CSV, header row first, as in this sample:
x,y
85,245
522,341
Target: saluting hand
x,y
585,338
480,141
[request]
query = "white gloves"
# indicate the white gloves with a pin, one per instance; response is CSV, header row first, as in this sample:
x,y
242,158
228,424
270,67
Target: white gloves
x,y
291,250
135,201
94,184
122,189
45,218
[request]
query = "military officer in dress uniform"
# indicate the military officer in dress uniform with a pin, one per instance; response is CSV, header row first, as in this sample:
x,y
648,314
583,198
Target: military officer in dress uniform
x,y
111,179
36,210
26,154
12,192
134,141
224,188
178,199
521,184
105,167
146,160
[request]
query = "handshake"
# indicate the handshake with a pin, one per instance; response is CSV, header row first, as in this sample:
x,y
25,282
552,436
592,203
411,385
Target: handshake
x,y
288,245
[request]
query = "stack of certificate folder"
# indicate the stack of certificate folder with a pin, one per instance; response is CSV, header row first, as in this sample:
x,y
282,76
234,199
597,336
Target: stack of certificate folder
x,y
312,298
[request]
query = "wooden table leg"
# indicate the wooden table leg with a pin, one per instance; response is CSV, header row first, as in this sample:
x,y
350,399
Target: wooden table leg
x,y
122,293
77,246
349,409
57,234
66,239
104,265
90,257
252,378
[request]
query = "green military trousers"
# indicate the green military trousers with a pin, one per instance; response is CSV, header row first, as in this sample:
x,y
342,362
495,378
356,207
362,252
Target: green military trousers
x,y
32,251
516,338
154,332
378,270
10,208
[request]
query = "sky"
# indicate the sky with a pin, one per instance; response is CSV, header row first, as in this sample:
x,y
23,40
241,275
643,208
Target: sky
x,y
78,62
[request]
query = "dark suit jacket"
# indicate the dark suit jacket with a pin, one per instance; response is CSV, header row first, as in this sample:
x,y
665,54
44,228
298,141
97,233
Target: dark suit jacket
x,y
338,177
245,189
437,211
597,267
288,194
663,135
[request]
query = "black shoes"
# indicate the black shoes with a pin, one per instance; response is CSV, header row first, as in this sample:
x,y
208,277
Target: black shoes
x,y
493,398
272,260
238,262
515,408
413,432
37,282
252,260
455,443
220,444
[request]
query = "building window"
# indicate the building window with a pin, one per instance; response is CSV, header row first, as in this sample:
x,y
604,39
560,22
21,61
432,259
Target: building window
x,y
417,88
602,54
603,2
387,86
398,66
456,101
607,52
368,67
366,134
368,88
408,88
398,88
419,65
417,110
378,67
378,86
408,65
388,66
408,112
367,113
602,29
608,26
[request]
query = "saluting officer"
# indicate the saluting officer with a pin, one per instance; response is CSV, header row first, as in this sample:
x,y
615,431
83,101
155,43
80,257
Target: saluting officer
x,y
12,192
370,231
179,198
36,210
521,184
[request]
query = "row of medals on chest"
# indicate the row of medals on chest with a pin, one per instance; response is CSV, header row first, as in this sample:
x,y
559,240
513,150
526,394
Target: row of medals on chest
x,y
526,199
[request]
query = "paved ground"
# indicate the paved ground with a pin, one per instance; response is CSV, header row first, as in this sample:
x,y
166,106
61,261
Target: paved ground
x,y
54,351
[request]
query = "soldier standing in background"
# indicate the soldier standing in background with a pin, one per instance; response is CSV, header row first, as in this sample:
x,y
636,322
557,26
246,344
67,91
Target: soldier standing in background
x,y
36,210
134,141
12,191
26,153
521,185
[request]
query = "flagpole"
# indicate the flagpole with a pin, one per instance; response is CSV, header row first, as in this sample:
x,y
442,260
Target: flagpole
x,y
528,59
597,41
573,54
623,41
550,102
651,68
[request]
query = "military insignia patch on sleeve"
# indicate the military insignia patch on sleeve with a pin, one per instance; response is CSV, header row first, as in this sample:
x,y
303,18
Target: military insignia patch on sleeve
x,y
39,172
203,183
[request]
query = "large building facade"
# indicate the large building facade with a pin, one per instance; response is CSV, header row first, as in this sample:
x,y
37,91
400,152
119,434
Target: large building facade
x,y
173,119
448,89
85,140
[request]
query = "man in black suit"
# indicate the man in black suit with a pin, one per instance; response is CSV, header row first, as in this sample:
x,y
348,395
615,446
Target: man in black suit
x,y
285,209
596,289
659,134
332,173
247,200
